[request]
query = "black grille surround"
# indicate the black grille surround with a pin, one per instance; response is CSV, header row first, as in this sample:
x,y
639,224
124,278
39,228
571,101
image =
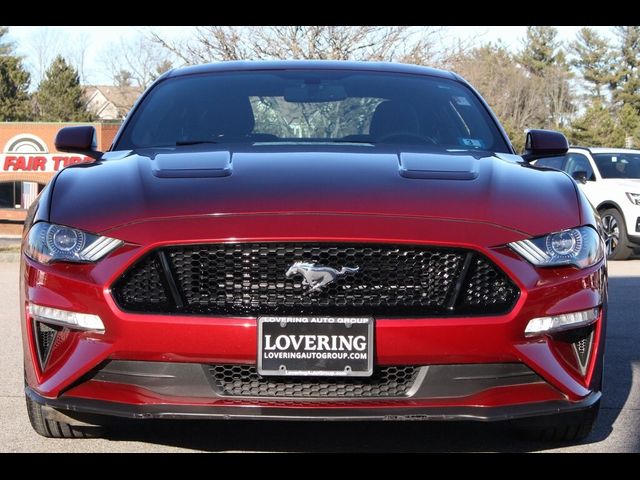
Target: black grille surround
x,y
248,279
244,381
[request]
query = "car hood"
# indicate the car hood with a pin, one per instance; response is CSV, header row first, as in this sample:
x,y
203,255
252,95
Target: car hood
x,y
167,183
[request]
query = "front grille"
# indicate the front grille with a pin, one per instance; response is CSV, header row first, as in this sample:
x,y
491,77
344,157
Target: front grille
x,y
486,286
146,285
244,381
249,279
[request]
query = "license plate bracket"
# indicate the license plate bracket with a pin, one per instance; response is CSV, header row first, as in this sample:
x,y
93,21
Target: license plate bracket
x,y
315,346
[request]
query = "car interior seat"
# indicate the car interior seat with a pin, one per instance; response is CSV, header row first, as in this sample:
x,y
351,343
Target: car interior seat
x,y
394,118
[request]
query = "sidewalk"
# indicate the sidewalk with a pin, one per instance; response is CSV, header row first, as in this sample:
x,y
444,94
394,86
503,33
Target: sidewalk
x,y
9,248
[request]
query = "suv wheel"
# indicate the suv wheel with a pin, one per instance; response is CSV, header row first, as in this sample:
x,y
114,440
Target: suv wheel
x,y
616,243
54,429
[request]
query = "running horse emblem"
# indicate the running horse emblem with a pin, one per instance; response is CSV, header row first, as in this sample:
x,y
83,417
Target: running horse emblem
x,y
317,276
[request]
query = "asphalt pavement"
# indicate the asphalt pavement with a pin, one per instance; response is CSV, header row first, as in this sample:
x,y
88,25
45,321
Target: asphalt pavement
x,y
617,429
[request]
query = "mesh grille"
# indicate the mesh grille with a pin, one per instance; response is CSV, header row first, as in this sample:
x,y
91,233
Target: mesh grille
x,y
143,288
487,286
244,381
45,338
249,279
582,348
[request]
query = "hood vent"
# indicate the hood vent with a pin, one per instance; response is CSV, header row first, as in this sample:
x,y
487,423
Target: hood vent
x,y
439,167
192,164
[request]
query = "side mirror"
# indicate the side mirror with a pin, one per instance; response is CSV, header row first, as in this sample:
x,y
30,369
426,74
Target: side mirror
x,y
580,176
544,143
80,139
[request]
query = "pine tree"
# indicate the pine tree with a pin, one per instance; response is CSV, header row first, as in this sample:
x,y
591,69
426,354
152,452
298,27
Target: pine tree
x,y
14,83
14,86
59,95
625,82
629,122
593,59
597,128
542,57
541,50
6,47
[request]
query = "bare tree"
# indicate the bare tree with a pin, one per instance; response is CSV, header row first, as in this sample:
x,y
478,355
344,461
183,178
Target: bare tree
x,y
77,54
389,43
45,44
559,96
142,58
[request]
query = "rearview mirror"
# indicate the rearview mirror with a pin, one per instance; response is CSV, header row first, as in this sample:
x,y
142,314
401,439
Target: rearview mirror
x,y
544,143
80,139
580,176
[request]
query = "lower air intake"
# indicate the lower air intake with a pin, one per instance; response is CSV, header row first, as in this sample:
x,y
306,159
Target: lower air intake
x,y
244,381
582,350
45,338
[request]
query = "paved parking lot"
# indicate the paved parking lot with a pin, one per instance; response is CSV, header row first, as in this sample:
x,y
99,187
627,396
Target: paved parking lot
x,y
617,430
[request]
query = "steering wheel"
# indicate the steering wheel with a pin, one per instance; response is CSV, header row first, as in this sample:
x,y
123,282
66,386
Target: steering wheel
x,y
398,136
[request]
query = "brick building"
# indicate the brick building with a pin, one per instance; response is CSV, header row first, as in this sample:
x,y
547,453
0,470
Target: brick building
x,y
28,160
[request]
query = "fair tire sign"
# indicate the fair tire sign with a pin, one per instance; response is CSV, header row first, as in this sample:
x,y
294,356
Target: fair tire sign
x,y
29,153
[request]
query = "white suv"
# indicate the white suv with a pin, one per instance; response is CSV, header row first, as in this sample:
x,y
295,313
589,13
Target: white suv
x,y
610,178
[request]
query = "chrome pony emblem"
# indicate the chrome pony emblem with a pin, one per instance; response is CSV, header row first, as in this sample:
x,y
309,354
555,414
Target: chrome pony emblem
x,y
317,276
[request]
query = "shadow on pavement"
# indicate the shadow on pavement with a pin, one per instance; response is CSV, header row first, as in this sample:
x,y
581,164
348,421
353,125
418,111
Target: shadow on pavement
x,y
267,436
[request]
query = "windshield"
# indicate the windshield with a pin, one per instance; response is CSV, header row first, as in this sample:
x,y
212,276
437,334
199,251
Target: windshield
x,y
294,106
618,165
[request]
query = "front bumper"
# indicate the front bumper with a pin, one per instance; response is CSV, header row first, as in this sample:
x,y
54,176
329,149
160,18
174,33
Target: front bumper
x,y
441,413
65,382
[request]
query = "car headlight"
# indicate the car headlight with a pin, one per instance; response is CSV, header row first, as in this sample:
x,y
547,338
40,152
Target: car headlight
x,y
634,198
48,243
581,247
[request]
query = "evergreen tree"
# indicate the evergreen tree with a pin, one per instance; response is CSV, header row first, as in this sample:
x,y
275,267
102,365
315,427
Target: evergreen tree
x,y
629,122
541,50
6,47
59,95
14,86
625,82
14,83
597,128
542,57
593,60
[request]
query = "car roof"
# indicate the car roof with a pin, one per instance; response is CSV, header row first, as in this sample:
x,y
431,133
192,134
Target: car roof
x,y
606,150
252,65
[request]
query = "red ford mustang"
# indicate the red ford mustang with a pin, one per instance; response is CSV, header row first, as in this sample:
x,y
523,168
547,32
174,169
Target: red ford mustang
x,y
312,240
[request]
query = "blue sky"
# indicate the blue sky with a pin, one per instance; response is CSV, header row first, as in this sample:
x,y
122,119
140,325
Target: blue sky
x,y
99,38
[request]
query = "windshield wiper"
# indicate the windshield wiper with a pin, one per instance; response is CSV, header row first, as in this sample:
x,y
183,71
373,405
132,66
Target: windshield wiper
x,y
194,142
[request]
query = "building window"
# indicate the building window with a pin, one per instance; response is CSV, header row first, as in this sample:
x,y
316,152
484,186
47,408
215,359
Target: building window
x,y
19,194
10,194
